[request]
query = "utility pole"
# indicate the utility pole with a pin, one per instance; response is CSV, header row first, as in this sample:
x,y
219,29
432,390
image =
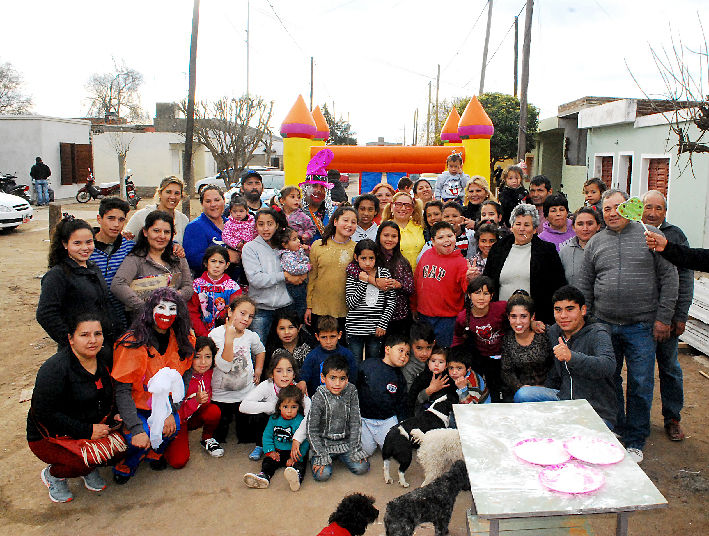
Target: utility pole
x,y
311,83
516,51
487,42
248,18
428,117
404,142
189,130
438,83
522,137
416,126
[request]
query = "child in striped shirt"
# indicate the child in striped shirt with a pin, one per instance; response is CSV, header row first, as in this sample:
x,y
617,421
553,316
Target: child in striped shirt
x,y
369,309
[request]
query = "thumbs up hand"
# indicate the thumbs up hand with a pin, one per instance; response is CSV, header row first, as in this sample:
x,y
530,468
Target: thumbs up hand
x,y
561,351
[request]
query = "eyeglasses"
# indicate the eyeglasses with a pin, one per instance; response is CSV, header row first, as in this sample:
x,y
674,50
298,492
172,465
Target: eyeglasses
x,y
407,206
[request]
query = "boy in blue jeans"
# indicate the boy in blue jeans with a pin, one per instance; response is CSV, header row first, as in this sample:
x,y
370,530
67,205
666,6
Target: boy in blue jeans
x,y
334,422
382,392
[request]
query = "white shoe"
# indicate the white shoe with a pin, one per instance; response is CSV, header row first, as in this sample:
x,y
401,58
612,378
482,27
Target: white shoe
x,y
212,446
635,454
293,477
258,481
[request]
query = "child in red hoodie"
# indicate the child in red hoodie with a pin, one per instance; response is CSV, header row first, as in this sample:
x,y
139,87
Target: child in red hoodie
x,y
440,281
197,410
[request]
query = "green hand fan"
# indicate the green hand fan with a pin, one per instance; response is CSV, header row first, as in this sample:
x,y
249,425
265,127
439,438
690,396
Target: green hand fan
x,y
632,209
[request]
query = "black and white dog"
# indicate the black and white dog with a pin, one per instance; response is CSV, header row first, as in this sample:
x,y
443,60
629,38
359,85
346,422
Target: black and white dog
x,y
399,444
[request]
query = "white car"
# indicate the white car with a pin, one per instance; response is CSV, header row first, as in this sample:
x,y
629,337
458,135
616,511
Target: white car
x,y
273,178
14,211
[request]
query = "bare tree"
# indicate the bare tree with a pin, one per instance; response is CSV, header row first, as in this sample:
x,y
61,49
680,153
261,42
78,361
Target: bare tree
x,y
13,99
120,143
684,73
116,92
232,129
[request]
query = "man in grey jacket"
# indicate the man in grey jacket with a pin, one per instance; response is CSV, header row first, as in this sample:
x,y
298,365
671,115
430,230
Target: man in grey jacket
x,y
585,361
670,372
634,291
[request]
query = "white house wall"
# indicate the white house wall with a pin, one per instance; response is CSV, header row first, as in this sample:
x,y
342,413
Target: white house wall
x,y
688,195
152,157
23,138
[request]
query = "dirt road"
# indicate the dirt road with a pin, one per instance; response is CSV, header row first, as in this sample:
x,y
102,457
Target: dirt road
x,y
209,497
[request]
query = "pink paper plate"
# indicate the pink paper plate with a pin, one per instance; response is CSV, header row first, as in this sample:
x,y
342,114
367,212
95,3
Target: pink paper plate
x,y
595,451
571,478
541,451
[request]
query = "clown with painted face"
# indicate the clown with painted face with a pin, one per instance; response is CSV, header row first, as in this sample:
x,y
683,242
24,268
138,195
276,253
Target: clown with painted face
x,y
317,201
159,337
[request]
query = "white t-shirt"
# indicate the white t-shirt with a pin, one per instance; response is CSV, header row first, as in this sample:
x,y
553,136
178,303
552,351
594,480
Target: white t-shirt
x,y
137,222
232,380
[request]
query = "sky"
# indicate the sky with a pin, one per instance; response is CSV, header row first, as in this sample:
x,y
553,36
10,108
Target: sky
x,y
373,59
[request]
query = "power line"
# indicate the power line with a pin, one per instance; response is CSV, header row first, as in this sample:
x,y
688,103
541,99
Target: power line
x,y
335,8
498,46
466,38
284,26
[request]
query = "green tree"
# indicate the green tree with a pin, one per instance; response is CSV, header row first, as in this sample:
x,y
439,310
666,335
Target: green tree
x,y
503,111
340,131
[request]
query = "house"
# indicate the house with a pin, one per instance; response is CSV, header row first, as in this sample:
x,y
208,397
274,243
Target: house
x,y
157,151
627,143
63,144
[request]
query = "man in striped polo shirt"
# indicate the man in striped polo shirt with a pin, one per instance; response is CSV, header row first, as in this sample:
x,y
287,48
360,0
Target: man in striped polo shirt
x,y
634,291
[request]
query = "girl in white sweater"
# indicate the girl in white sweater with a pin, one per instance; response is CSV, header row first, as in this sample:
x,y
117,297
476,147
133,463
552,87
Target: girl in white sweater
x,y
261,401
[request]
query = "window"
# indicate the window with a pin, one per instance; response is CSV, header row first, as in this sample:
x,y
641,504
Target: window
x,y
607,170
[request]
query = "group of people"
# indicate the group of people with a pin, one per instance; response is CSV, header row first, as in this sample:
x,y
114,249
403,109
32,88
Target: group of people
x,y
315,325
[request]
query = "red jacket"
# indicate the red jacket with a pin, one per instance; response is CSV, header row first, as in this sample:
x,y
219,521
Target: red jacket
x,y
333,529
190,405
440,284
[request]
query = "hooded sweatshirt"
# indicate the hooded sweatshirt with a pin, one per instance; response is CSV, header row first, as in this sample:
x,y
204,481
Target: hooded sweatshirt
x,y
590,371
267,282
558,238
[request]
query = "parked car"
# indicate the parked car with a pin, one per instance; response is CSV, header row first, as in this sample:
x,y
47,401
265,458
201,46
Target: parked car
x,y
14,211
273,178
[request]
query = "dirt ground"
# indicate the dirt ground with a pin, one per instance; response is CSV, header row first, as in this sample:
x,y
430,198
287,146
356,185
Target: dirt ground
x,y
209,496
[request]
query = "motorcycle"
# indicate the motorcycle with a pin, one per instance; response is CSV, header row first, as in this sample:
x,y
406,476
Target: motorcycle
x,y
89,190
10,186
133,197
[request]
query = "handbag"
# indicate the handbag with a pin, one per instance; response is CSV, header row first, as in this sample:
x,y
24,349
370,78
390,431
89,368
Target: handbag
x,y
92,451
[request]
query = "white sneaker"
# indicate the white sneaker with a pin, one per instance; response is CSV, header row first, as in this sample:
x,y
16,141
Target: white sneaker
x,y
293,477
635,454
212,446
258,481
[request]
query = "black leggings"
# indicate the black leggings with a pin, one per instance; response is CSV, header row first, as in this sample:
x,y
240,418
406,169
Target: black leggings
x,y
269,465
249,428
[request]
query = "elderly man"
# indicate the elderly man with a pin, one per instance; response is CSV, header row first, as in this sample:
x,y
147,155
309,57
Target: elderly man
x,y
634,292
671,386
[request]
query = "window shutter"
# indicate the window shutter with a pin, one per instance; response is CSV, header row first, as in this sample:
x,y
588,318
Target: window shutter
x,y
67,163
607,170
658,174
83,161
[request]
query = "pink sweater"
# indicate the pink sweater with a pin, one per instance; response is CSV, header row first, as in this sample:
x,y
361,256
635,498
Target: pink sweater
x,y
239,231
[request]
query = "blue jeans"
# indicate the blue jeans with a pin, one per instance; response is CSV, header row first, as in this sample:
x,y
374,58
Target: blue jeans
x,y
356,468
359,344
298,294
442,326
533,393
135,455
671,381
42,188
635,344
261,324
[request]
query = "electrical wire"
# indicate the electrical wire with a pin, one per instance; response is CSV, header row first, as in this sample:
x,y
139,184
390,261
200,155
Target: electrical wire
x,y
284,26
467,37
